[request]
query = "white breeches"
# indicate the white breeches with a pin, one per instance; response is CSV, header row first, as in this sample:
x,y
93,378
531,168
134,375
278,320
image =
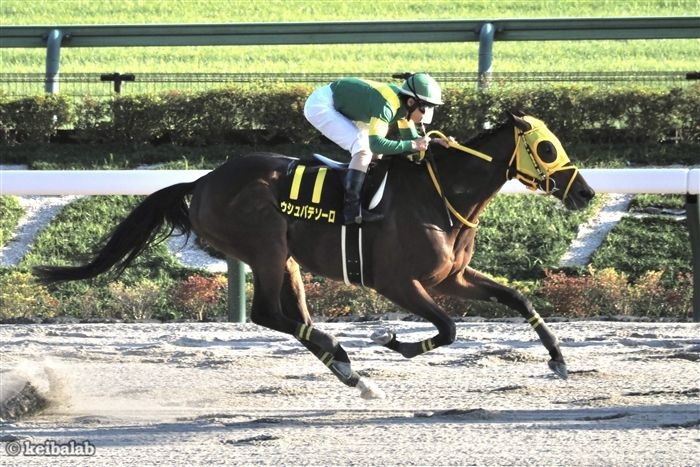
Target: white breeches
x,y
351,136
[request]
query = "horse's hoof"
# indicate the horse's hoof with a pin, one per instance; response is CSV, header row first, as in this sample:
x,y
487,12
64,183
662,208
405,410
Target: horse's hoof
x,y
382,336
369,390
559,368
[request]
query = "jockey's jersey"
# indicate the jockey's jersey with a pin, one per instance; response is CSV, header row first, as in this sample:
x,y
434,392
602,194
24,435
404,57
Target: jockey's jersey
x,y
378,105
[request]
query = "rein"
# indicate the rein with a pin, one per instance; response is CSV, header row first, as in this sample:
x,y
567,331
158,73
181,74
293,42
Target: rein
x,y
434,178
456,145
524,165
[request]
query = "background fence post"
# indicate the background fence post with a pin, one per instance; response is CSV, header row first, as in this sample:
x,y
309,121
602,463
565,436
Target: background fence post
x,y
53,60
692,210
236,291
485,54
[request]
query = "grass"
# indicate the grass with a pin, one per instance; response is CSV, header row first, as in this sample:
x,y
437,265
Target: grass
x,y
647,244
76,231
19,12
114,157
521,236
637,55
654,243
10,212
646,201
565,56
74,234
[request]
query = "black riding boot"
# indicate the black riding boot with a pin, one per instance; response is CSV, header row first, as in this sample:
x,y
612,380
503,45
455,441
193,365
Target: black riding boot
x,y
353,194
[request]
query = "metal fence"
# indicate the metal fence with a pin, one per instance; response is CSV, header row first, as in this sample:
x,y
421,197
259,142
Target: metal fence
x,y
105,85
484,31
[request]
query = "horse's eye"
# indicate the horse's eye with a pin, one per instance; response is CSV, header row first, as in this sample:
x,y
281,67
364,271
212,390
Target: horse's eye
x,y
546,152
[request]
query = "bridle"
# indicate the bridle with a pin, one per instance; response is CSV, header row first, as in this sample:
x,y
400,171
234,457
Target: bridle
x,y
525,165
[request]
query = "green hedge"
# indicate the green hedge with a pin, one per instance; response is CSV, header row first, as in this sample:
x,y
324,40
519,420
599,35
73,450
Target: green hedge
x,y
34,119
272,113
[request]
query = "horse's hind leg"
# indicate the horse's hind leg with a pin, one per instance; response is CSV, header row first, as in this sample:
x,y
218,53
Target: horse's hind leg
x,y
293,300
269,277
294,307
471,284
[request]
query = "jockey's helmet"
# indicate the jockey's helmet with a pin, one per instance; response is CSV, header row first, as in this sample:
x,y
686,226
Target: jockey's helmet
x,y
423,88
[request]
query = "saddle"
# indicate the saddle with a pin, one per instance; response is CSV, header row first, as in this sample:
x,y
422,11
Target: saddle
x,y
312,190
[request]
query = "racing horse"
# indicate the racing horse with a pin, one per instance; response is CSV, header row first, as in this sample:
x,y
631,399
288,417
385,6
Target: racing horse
x,y
422,247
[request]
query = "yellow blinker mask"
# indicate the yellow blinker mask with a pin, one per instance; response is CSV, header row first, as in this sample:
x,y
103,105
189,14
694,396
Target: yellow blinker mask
x,y
538,155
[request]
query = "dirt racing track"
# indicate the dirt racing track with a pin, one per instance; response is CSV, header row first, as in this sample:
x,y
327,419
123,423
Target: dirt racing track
x,y
206,394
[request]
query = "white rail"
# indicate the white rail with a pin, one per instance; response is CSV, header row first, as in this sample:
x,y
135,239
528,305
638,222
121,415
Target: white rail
x,y
92,182
143,182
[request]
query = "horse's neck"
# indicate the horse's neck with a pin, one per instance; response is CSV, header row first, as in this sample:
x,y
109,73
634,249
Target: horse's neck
x,y
471,183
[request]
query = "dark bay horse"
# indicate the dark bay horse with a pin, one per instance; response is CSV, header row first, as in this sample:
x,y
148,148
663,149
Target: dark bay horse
x,y
414,252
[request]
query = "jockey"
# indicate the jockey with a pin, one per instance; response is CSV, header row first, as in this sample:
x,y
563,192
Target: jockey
x,y
356,114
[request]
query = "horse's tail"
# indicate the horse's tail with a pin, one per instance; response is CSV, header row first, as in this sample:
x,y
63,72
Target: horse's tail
x,y
140,229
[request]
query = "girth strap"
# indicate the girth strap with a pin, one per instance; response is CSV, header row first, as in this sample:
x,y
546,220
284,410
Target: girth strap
x,y
351,254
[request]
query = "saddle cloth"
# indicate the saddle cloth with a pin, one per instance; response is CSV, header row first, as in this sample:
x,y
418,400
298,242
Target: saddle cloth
x,y
312,191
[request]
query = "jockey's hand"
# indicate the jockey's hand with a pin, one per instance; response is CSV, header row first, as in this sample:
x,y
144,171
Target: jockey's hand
x,y
420,144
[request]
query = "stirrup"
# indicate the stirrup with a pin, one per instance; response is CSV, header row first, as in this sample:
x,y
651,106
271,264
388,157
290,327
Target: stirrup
x,y
363,216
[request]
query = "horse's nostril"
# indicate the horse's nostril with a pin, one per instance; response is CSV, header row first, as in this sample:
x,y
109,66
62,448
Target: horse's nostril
x,y
587,194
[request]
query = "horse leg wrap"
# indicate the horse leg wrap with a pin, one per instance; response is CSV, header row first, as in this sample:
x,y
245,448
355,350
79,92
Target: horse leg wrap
x,y
536,320
308,333
326,359
341,370
344,373
413,349
427,345
387,338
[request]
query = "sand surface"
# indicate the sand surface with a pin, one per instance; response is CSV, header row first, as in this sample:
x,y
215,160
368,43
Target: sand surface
x,y
236,394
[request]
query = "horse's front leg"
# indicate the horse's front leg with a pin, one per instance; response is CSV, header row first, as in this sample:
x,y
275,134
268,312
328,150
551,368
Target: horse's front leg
x,y
413,297
471,284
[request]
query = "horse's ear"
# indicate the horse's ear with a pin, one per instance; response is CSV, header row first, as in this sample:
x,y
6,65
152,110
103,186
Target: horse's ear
x,y
519,122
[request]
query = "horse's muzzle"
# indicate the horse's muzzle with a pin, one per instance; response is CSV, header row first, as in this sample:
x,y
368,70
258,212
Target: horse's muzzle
x,y
579,196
